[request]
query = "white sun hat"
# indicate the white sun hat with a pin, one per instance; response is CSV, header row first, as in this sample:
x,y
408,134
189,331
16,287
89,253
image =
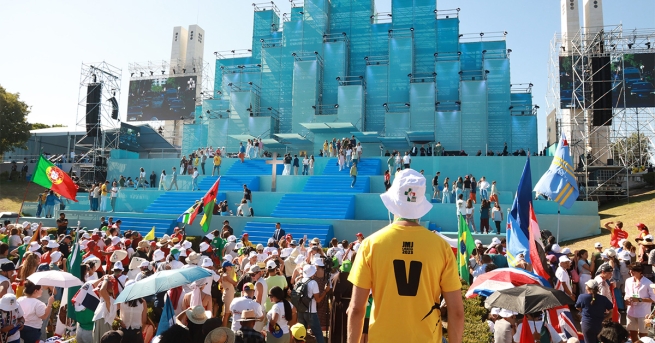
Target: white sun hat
x,y
406,196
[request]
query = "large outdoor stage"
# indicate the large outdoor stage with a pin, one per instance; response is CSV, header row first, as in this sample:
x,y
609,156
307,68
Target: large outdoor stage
x,y
322,205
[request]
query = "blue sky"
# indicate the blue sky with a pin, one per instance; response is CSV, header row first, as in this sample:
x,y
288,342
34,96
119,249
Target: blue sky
x,y
45,42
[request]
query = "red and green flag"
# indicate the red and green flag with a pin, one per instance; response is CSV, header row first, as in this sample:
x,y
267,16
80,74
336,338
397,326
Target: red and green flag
x,y
50,176
208,202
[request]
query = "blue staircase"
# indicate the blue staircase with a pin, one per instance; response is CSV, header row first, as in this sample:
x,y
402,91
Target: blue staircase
x,y
144,225
261,232
316,206
175,203
337,184
230,183
367,166
253,167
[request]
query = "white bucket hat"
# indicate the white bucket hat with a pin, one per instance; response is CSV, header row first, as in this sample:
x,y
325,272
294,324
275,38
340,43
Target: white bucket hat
x,y
8,302
207,262
158,255
406,197
308,271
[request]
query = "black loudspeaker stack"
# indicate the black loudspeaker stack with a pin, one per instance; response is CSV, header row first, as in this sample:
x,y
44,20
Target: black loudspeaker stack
x,y
114,108
601,91
93,102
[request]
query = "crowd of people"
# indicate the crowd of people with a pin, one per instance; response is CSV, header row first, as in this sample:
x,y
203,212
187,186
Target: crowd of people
x,y
605,284
256,293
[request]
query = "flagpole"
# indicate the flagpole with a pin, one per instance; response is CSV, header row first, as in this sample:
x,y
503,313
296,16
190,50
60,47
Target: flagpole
x,y
23,202
558,212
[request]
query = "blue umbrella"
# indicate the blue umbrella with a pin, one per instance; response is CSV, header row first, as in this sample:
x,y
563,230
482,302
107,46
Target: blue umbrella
x,y
160,282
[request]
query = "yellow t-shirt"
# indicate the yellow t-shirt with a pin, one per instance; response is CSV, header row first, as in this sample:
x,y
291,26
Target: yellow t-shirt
x,y
407,269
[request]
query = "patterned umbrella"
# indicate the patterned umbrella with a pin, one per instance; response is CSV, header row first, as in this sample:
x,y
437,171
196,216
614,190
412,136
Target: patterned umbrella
x,y
160,282
503,278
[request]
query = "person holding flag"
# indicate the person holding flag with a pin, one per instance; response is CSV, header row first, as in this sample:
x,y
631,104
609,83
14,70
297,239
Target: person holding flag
x,y
465,246
424,269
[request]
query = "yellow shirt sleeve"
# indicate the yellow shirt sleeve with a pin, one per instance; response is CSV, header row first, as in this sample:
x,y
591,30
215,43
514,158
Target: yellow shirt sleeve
x,y
450,278
360,274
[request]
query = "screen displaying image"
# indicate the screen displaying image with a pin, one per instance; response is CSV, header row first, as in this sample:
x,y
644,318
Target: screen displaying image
x,y
567,100
638,73
129,137
161,98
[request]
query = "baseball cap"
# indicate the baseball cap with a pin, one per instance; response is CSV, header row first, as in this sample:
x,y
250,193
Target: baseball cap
x,y
592,283
606,268
298,332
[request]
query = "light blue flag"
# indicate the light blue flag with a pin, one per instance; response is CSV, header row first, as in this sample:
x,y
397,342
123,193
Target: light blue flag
x,y
559,183
167,317
518,220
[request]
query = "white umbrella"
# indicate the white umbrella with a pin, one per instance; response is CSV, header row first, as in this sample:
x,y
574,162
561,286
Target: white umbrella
x,y
55,278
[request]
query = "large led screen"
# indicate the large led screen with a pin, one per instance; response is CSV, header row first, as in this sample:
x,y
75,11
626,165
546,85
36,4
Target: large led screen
x,y
566,96
161,99
633,82
638,73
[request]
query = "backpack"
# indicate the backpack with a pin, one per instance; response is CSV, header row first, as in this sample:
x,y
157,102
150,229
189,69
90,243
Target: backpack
x,y
299,297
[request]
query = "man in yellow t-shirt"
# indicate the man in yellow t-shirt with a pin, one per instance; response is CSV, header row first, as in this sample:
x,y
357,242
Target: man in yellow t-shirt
x,y
407,268
217,165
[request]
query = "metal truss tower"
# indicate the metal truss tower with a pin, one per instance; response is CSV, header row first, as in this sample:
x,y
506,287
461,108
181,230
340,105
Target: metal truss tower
x,y
101,136
605,154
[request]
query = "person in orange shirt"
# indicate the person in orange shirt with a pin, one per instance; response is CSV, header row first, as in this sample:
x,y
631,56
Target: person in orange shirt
x,y
177,233
616,234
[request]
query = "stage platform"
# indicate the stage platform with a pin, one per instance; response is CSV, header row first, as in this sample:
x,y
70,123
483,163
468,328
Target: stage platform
x,y
324,204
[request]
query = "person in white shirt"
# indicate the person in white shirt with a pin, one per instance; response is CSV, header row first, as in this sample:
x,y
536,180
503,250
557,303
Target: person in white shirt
x,y
563,278
310,318
194,179
162,180
305,165
639,297
34,311
142,179
604,274
261,292
461,206
483,186
281,313
245,302
407,160
349,153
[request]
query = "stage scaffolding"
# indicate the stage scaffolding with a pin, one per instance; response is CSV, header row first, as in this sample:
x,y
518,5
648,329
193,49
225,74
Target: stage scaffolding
x,y
91,166
604,156
171,130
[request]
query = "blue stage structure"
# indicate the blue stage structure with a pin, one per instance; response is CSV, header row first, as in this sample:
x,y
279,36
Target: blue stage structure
x,y
333,69
323,199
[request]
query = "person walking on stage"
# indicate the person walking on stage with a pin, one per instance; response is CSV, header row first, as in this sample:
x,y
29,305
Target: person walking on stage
x,y
162,180
409,249
173,180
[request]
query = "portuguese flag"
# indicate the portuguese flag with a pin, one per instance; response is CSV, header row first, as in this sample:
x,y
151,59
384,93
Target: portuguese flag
x,y
50,176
